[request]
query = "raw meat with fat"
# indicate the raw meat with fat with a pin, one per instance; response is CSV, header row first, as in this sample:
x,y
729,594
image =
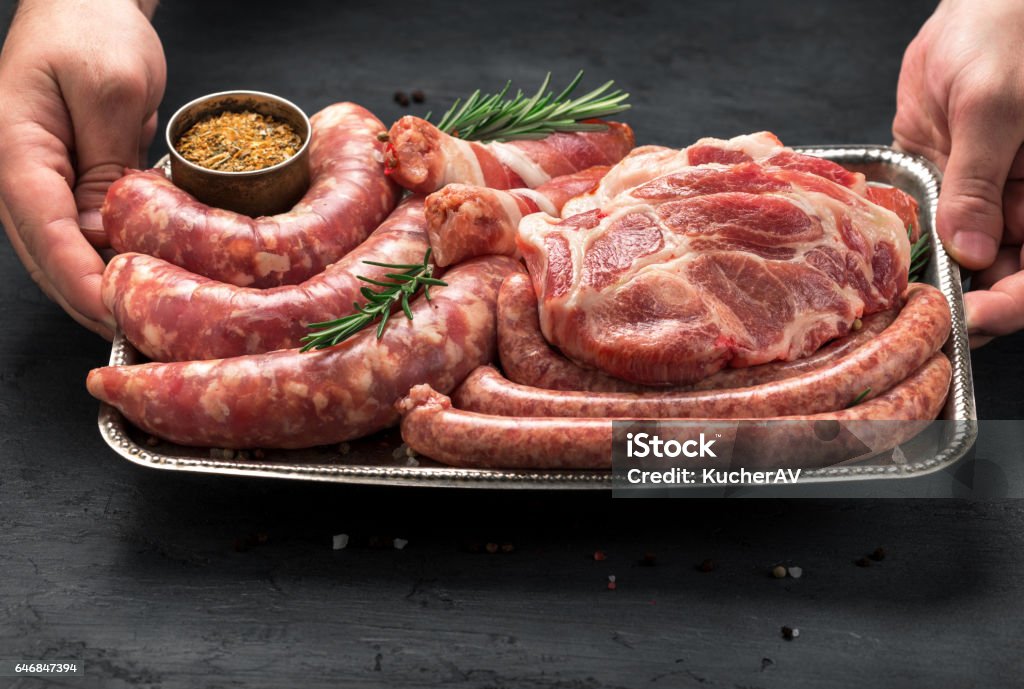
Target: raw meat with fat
x,y
725,254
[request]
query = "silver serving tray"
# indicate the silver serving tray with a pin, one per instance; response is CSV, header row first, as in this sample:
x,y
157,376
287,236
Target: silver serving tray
x,y
379,459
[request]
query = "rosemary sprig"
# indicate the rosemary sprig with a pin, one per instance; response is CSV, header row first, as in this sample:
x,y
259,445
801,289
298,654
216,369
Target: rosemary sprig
x,y
920,252
378,305
497,118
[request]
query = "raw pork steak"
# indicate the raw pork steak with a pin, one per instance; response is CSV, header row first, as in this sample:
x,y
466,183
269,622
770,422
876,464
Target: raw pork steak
x,y
728,253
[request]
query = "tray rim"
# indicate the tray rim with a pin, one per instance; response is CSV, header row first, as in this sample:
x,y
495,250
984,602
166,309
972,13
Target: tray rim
x,y
961,404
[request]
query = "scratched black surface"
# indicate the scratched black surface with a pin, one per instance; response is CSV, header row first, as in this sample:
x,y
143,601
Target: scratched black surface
x,y
147,579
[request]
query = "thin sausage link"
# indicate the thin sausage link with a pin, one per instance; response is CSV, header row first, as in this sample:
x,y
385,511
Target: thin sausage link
x,y
433,428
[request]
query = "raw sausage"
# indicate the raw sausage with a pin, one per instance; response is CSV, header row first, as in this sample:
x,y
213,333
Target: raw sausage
x,y
918,331
528,359
292,399
349,195
432,427
170,314
465,221
422,158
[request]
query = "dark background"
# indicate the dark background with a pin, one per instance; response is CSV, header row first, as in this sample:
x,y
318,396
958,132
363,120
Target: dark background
x,y
158,579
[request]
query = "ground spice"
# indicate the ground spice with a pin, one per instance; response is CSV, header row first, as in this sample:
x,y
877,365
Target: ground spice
x,y
706,566
238,142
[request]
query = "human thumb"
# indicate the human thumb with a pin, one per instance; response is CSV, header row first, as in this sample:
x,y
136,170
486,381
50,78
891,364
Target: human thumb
x,y
104,152
970,213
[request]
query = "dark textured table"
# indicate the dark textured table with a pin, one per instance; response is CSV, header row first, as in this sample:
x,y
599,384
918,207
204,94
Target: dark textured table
x,y
157,579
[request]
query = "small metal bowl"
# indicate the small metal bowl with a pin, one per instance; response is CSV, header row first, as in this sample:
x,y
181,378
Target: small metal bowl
x,y
268,191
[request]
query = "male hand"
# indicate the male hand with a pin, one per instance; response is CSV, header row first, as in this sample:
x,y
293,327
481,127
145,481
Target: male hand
x,y
80,82
960,102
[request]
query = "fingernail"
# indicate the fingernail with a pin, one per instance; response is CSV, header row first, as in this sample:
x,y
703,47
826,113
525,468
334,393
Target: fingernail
x,y
90,220
973,248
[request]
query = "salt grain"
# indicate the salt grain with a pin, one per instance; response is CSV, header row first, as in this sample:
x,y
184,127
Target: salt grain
x,y
400,543
340,541
796,572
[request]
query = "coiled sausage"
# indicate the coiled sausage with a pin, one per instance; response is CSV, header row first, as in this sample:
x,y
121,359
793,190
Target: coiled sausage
x,y
349,195
918,331
170,314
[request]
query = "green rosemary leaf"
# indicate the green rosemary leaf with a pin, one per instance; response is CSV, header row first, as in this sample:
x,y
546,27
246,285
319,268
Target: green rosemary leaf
x,y
569,89
396,266
379,283
383,323
920,255
859,398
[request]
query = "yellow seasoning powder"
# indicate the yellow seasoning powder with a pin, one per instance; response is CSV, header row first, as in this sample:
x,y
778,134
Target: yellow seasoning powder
x,y
238,142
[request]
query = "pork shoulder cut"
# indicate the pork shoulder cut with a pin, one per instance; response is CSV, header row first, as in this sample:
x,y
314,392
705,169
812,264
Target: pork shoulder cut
x,y
728,253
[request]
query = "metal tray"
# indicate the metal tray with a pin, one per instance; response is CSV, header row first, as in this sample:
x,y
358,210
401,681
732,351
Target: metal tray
x,y
380,460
